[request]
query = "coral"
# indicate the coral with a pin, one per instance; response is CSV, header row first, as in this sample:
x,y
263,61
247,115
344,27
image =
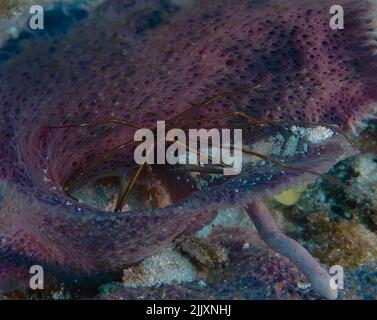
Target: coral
x,y
364,184
336,241
203,253
335,222
348,243
7,5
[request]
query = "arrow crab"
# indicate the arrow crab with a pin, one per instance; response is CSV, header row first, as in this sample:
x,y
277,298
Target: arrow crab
x,y
295,93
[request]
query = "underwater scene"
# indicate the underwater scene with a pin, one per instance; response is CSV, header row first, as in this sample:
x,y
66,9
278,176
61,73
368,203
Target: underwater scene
x,y
188,150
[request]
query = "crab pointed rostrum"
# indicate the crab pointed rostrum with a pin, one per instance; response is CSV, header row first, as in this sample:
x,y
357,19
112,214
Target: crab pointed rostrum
x,y
144,61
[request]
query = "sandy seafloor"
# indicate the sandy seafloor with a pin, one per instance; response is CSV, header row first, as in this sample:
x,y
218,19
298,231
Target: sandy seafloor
x,y
227,260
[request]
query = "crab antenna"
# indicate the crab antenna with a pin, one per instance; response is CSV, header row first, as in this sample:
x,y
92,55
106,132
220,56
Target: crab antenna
x,y
289,167
213,99
99,122
284,165
87,166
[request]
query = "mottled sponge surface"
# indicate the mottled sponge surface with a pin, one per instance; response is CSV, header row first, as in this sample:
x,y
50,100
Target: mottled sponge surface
x,y
145,61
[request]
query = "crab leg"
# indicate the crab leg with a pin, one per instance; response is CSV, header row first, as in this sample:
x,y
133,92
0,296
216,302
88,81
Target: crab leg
x,y
99,122
124,194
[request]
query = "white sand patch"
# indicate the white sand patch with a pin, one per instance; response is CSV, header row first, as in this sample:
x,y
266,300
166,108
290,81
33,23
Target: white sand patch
x,y
168,267
230,218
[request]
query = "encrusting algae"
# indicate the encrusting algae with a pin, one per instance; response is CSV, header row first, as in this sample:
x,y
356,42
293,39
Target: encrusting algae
x,y
290,196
